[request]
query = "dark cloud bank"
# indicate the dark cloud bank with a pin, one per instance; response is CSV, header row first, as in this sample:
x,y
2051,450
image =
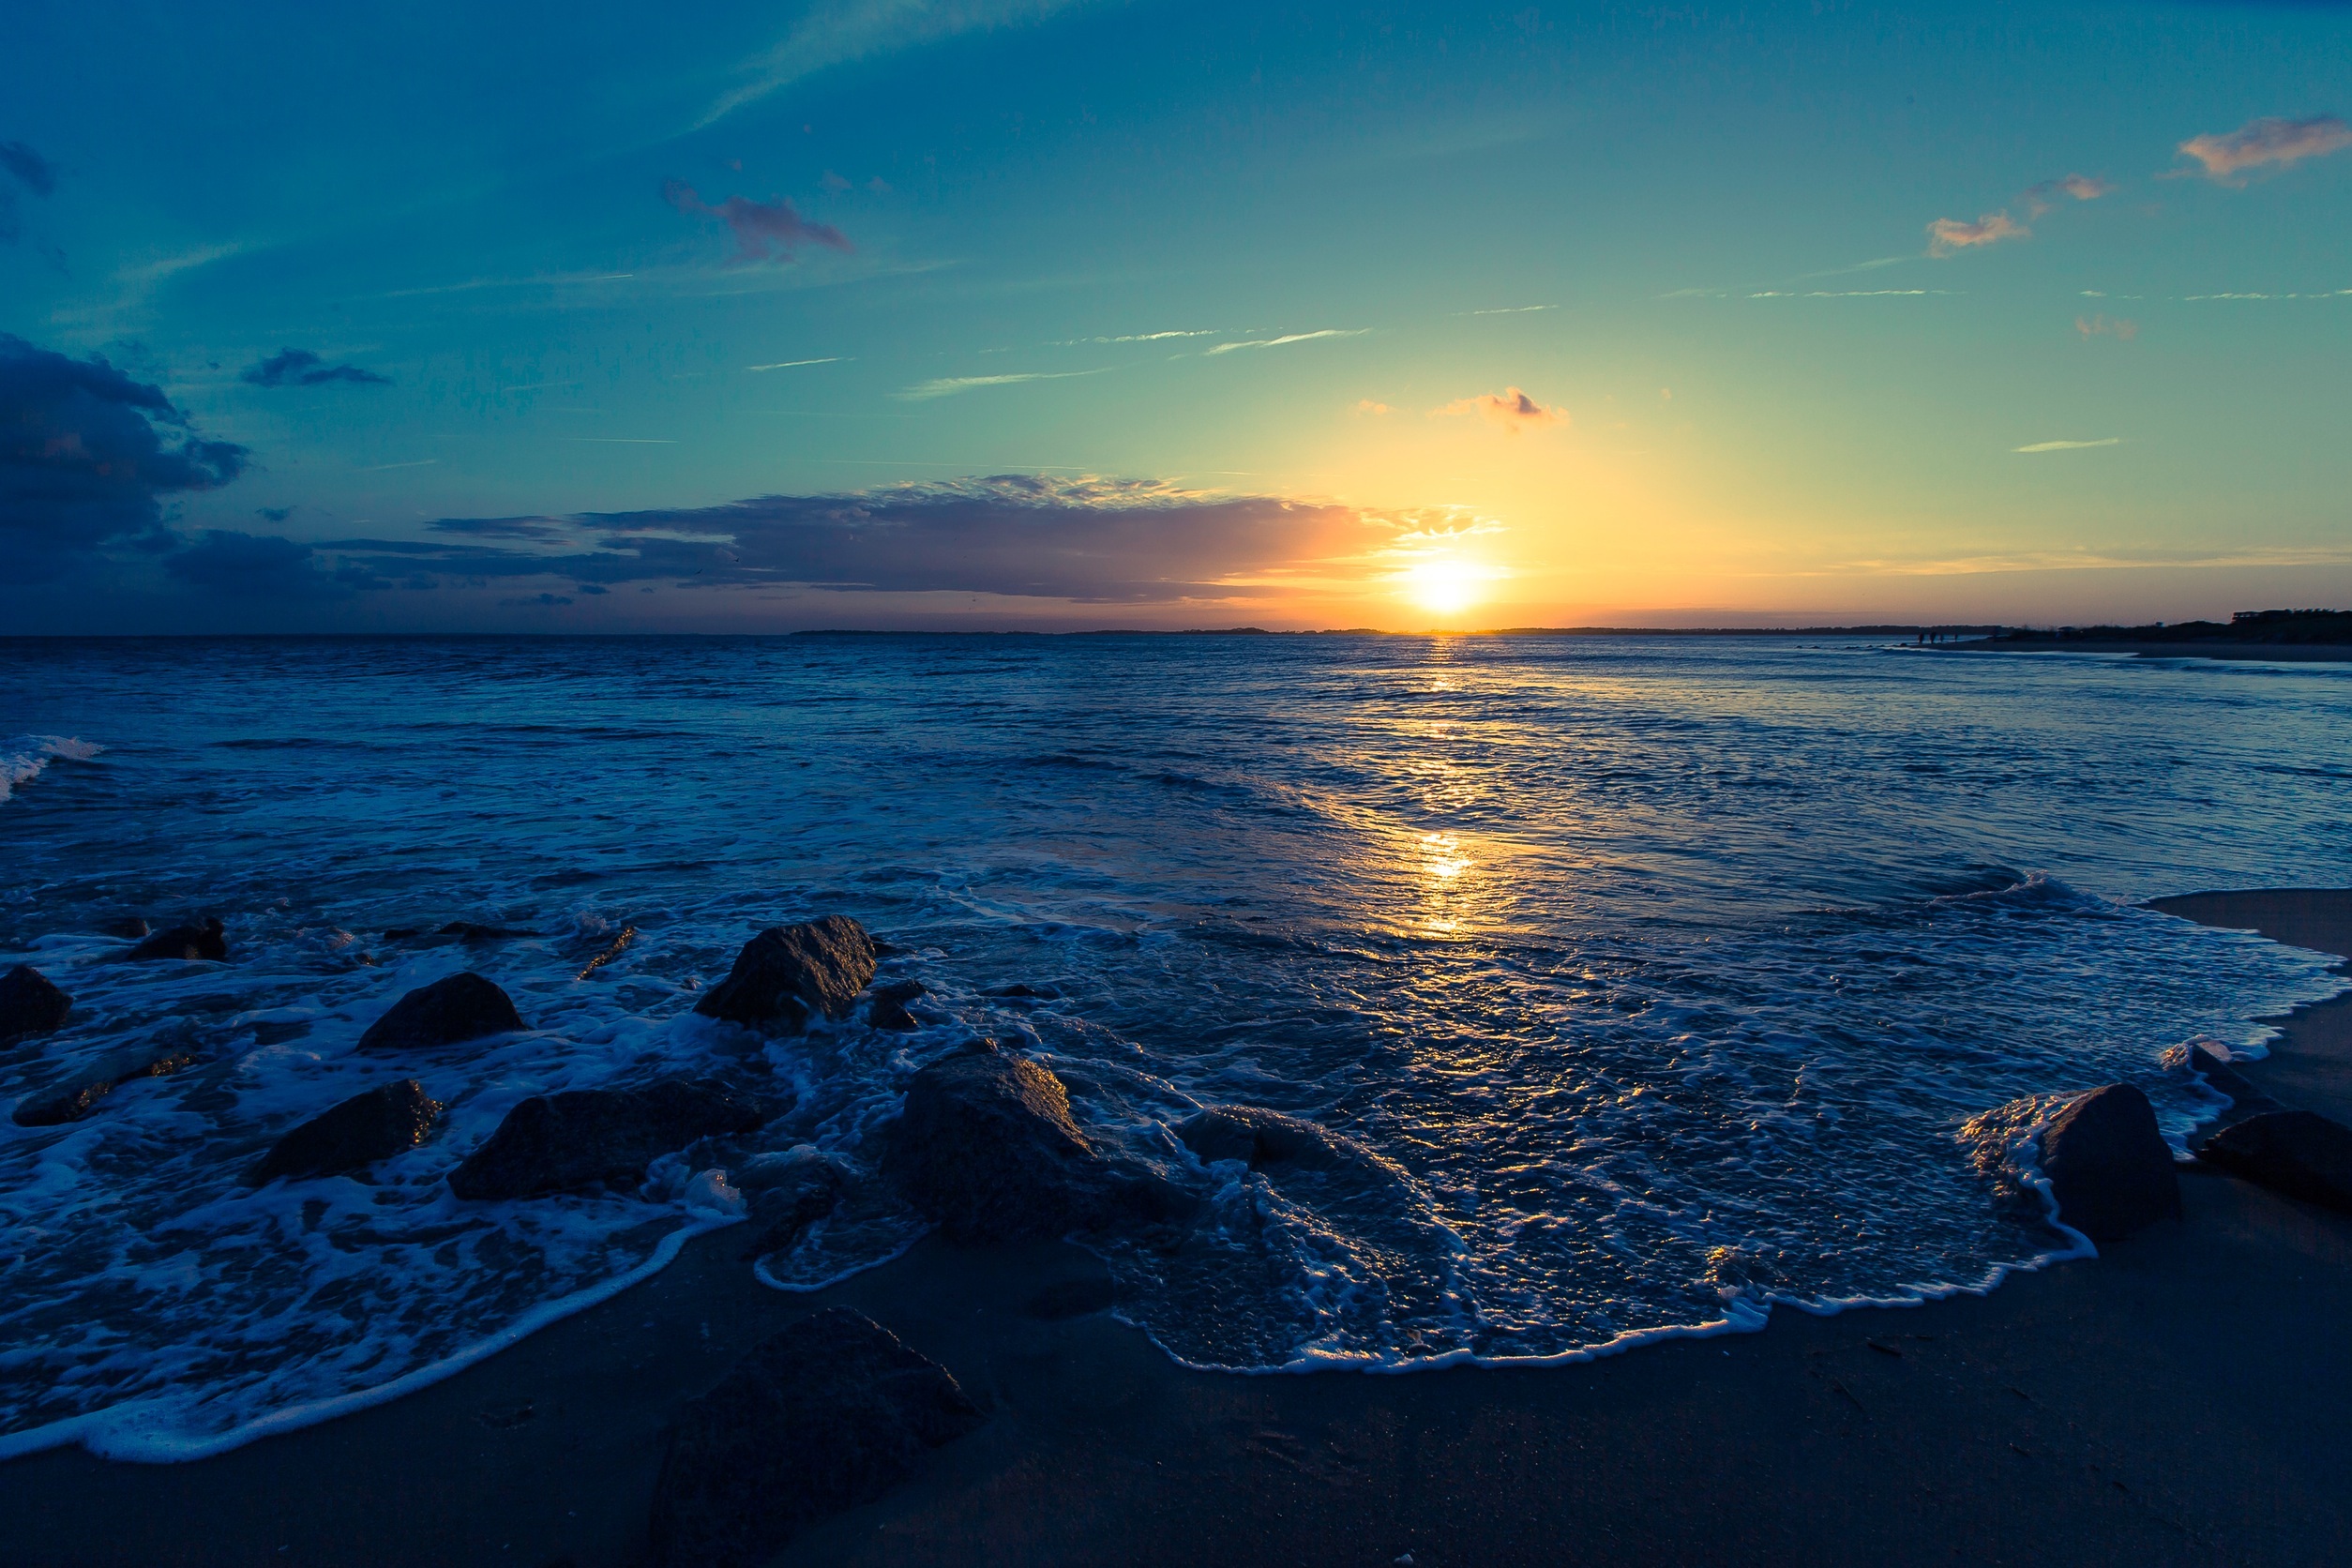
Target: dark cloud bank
x,y
93,463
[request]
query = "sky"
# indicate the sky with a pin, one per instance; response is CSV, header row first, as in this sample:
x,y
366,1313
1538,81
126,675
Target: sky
x,y
1061,314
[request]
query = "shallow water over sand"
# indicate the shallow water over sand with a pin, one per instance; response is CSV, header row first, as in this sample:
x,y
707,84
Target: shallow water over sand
x,y
1657,977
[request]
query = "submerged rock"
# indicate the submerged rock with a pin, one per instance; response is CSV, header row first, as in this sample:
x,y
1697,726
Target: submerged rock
x,y
30,1004
464,1006
1260,1138
820,1417
787,974
207,942
2244,1098
888,1009
584,1137
361,1131
75,1100
2298,1152
2109,1169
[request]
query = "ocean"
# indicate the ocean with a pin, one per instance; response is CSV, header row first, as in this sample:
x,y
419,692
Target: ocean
x,y
1663,981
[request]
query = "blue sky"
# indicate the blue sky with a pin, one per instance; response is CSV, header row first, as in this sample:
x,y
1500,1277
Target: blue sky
x,y
1005,313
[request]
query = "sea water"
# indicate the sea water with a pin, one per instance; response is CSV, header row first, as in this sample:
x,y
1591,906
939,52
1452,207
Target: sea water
x,y
1654,980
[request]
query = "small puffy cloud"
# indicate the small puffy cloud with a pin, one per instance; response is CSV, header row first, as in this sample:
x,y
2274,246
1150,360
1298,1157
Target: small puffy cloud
x,y
2265,143
274,514
301,368
763,231
1511,409
250,566
2083,188
86,457
24,167
833,183
2103,326
1366,405
1948,234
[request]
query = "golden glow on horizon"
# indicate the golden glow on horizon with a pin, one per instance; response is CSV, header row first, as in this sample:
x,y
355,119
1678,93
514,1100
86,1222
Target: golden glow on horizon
x,y
1445,583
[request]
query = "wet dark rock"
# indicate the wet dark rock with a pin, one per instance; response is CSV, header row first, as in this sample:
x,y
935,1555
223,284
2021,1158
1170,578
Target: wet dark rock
x,y
889,1007
359,1132
987,1150
129,926
1019,991
207,942
2244,1098
807,1191
2109,1169
464,1006
1260,1138
787,974
2298,1152
611,950
30,1004
820,1417
586,1137
77,1099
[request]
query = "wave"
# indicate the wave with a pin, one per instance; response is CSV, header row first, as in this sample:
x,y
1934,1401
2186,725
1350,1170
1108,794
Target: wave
x,y
22,757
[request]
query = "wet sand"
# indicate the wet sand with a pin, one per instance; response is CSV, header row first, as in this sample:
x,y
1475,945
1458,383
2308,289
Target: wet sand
x,y
2184,1398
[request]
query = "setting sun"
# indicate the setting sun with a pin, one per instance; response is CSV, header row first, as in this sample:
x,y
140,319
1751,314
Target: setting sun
x,y
1445,584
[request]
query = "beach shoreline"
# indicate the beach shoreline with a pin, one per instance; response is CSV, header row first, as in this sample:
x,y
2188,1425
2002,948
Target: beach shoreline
x,y
2175,1400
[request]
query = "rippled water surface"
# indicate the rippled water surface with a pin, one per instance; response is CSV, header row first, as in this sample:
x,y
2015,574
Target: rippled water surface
x,y
1655,977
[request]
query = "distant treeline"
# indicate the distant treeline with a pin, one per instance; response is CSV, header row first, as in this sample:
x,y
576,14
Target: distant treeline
x,y
2328,626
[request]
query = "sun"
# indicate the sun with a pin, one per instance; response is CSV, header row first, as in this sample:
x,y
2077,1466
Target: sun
x,y
1444,583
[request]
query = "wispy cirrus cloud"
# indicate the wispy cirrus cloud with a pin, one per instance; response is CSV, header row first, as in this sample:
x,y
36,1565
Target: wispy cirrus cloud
x,y
794,364
2069,445
1135,337
846,30
947,387
2269,142
1510,410
763,231
1290,338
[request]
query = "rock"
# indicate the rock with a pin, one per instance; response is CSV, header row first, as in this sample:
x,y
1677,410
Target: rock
x,y
889,1007
820,1417
462,1007
185,942
30,1004
75,1100
361,1131
586,1137
2109,1169
129,926
2298,1152
2244,1098
612,950
986,1151
789,973
1260,1138
780,1214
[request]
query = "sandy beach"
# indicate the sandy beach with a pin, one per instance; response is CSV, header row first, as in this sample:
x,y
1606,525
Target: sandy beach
x,y
2180,1399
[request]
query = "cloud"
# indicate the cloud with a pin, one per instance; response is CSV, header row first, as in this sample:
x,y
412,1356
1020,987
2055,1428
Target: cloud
x,y
789,364
248,565
947,387
1290,338
2100,325
763,231
28,169
87,456
301,368
847,30
2069,445
1135,338
2083,188
1511,409
1366,405
274,514
539,601
1090,540
2263,143
1948,234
